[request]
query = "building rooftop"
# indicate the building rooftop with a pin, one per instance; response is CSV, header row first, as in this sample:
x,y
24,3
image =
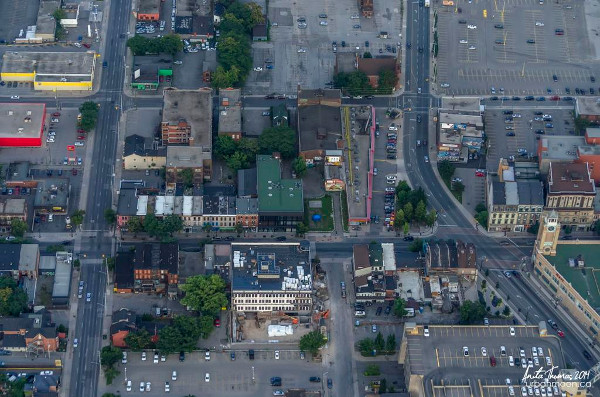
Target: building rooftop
x,y
135,144
218,205
560,147
193,106
145,74
46,24
276,195
517,193
450,254
246,206
260,30
374,66
52,192
582,279
588,150
466,105
124,270
12,206
345,62
29,258
319,127
74,66
459,119
587,106
247,182
157,256
186,156
62,275
230,110
149,6
22,120
128,201
361,256
10,255
592,132
270,267
566,178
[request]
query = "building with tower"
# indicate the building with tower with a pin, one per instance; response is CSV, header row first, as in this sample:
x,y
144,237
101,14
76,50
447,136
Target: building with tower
x,y
570,269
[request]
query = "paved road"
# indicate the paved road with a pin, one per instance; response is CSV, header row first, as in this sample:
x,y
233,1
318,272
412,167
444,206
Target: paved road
x,y
85,369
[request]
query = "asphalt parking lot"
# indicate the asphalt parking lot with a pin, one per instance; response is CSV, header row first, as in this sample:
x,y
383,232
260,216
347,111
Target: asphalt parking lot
x,y
241,377
496,53
314,67
526,129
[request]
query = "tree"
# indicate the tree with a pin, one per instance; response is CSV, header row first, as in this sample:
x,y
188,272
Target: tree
x,y
111,373
431,218
278,139
242,12
299,166
301,229
506,311
365,346
110,263
390,344
367,55
482,218
416,246
354,83
187,176
248,146
59,14
420,212
239,228
225,146
458,187
408,211
471,312
234,50
135,225
595,227
170,44
110,216
205,294
372,370
379,342
110,355
223,78
256,13
387,80
312,342
77,218
13,300
406,228
17,227
205,326
446,170
89,115
480,207
399,219
400,307
581,123
138,340
238,161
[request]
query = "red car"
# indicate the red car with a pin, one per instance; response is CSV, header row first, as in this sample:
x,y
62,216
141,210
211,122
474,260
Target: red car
x,y
81,137
55,114
86,45
560,333
217,322
480,172
80,131
555,98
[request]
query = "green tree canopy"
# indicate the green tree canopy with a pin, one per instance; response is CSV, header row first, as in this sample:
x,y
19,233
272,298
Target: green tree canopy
x,y
354,83
135,225
77,218
400,307
238,161
110,216
278,139
301,229
187,175
387,80
183,334
416,246
223,78
299,166
234,50
312,342
446,170
205,294
110,355
89,115
13,300
17,227
420,212
365,346
138,340
472,312
225,146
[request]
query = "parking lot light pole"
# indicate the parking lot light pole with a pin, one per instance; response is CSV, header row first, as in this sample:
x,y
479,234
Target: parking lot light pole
x,y
253,379
322,382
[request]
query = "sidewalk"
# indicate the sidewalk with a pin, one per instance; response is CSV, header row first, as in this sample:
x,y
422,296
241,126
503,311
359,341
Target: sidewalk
x,y
68,356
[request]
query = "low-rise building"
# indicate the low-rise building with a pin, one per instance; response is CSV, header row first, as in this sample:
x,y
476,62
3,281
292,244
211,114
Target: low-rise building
x,y
280,201
148,10
30,332
187,118
230,113
558,149
460,134
369,276
22,124
192,27
19,260
11,209
269,278
571,192
123,322
588,108
45,26
188,164
450,257
260,32
366,8
373,67
247,212
139,154
219,212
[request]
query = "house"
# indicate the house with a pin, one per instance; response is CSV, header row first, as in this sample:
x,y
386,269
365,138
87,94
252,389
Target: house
x,y
230,113
45,385
30,332
19,260
156,268
260,32
279,116
139,154
123,322
12,209
373,67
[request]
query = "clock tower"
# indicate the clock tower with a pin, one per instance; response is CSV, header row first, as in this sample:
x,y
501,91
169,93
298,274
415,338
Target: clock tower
x,y
548,234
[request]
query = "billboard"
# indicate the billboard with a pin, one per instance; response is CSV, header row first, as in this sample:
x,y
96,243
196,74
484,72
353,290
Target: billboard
x,y
334,185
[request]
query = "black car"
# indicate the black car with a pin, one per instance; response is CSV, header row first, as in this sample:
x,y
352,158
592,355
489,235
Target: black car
x,y
538,113
181,356
388,309
418,118
276,381
315,379
366,44
508,112
499,26
408,238
516,98
592,91
370,97
587,355
379,310
554,77
529,98
462,21
593,79
420,49
493,98
251,354
567,90
281,238
540,132
329,383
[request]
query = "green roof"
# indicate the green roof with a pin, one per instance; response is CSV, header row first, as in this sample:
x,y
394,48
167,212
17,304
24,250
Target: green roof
x,y
585,280
376,254
275,194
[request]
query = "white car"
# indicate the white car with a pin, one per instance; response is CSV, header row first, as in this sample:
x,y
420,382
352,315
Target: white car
x,y
207,377
75,342
393,127
128,385
50,139
258,69
426,330
148,386
391,177
143,356
464,42
511,361
15,97
155,358
167,387
323,23
52,133
426,158
55,120
276,354
124,359
465,351
484,352
142,386
522,352
472,26
178,62
512,331
534,352
548,361
301,50
445,85
77,45
163,358
207,356
540,352
503,351
355,16
174,375
78,143
472,47
539,23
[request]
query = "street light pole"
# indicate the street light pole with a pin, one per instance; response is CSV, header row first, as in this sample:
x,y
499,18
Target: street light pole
x,y
323,380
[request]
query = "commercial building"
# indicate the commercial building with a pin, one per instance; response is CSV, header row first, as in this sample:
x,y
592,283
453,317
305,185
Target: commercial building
x,y
569,268
22,124
230,113
62,279
52,196
588,108
571,192
193,27
12,209
373,282
269,277
558,149
280,201
247,212
182,160
187,118
219,212
19,260
30,332
319,123
460,134
138,154
513,204
450,257
51,71
148,10
45,26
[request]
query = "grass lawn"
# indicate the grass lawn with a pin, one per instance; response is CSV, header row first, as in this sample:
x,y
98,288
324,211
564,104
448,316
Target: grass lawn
x,y
343,199
326,212
455,193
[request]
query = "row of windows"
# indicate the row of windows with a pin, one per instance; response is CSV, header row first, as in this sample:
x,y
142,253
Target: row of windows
x,y
269,308
278,295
